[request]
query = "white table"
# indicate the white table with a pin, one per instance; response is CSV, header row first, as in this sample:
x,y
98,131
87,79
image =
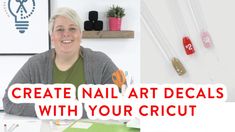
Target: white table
x,y
29,124
36,125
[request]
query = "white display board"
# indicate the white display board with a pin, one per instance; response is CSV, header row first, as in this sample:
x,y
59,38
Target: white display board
x,y
24,31
23,26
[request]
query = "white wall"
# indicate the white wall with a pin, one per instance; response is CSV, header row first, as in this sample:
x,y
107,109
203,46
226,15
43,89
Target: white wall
x,y
34,40
207,65
9,65
124,52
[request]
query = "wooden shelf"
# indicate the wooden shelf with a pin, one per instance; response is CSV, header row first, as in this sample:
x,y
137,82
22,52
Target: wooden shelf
x,y
108,34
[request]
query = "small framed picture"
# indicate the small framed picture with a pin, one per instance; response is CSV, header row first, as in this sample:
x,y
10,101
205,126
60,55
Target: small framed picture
x,y
24,27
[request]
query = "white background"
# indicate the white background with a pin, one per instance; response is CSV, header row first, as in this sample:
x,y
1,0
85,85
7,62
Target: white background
x,y
207,65
211,117
9,65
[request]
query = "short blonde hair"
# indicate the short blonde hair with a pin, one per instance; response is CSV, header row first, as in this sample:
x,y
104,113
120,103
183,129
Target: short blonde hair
x,y
65,12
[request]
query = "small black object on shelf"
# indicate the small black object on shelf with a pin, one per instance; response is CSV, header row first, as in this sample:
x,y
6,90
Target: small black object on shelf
x,y
88,25
93,23
93,16
98,25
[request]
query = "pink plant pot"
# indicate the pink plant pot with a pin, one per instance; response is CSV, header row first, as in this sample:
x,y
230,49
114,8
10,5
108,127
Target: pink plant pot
x,y
115,24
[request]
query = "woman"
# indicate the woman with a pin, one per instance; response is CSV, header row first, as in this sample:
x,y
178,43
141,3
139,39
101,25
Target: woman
x,y
68,62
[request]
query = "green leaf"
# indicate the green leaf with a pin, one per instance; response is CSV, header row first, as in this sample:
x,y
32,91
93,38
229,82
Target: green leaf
x,y
116,11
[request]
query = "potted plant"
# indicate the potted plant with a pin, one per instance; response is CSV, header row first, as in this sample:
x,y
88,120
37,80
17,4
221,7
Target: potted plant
x,y
115,14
